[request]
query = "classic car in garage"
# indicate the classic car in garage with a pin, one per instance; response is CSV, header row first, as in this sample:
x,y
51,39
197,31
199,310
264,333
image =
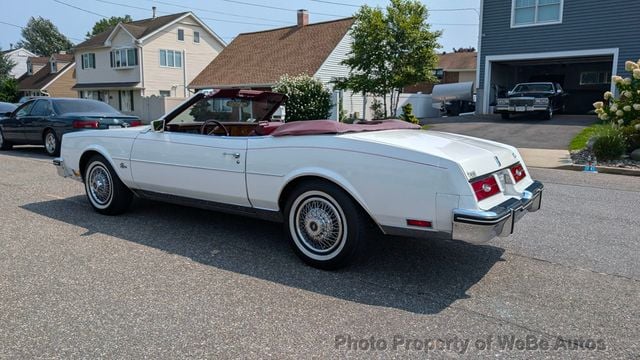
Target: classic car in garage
x,y
538,97
43,121
331,184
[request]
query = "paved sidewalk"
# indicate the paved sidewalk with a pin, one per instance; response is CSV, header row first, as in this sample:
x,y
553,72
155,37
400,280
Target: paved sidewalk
x,y
546,158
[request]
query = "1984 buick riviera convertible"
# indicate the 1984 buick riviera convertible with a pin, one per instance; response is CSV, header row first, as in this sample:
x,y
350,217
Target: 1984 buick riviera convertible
x,y
328,182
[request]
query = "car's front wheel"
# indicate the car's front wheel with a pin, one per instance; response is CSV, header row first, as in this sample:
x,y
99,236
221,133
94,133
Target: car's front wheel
x,y
51,143
325,226
4,144
106,193
548,115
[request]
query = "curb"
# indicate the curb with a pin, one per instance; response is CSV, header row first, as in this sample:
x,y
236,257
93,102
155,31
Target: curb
x,y
602,169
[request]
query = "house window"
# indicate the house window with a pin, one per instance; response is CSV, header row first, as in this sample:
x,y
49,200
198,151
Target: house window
x,y
595,77
124,58
171,58
438,73
54,67
165,93
88,61
196,37
180,35
536,12
125,100
29,68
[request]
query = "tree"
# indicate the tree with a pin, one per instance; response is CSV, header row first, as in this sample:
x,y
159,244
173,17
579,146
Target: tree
x,y
8,89
40,36
307,98
106,24
6,65
391,49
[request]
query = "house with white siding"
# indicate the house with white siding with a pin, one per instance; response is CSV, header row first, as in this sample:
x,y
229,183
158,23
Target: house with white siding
x,y
134,61
257,60
19,56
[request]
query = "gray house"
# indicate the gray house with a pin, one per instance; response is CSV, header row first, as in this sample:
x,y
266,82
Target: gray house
x,y
577,43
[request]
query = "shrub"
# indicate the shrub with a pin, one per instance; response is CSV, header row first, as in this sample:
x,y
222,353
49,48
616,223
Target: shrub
x,y
610,144
308,98
378,109
407,114
631,135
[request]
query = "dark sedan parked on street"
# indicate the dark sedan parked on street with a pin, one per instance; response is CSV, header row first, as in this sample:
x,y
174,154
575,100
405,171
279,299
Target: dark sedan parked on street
x,y
44,121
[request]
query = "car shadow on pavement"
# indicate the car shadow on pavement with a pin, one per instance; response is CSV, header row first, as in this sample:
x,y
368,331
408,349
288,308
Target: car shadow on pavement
x,y
413,275
530,119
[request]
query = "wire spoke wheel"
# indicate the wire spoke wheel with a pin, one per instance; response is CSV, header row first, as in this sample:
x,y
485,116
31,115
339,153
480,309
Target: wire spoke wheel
x,y
319,224
100,185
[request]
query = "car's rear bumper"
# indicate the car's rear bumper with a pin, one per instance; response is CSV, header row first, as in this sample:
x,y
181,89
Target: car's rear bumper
x,y
478,226
520,109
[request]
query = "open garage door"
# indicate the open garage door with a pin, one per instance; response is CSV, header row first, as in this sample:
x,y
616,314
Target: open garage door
x,y
584,77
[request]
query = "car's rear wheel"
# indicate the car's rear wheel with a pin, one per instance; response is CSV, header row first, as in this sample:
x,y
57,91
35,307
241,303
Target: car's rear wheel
x,y
505,116
325,226
4,144
51,143
106,193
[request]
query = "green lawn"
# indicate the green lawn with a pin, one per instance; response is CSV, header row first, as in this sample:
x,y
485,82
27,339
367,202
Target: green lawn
x,y
579,142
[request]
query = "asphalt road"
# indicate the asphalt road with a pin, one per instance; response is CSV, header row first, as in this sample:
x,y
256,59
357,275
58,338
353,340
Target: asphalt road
x,y
170,282
524,131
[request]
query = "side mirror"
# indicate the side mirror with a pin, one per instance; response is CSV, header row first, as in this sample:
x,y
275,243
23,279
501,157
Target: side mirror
x,y
157,125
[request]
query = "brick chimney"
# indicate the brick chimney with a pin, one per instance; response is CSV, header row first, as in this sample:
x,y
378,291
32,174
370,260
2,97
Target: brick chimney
x,y
303,17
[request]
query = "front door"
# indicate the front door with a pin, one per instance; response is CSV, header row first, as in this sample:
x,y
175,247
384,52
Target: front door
x,y
203,167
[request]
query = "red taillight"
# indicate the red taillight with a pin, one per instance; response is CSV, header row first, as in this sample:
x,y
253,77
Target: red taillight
x,y
485,188
135,123
518,172
85,124
419,223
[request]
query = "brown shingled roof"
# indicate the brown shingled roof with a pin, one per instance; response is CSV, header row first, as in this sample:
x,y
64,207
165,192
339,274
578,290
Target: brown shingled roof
x,y
263,57
63,57
40,79
138,28
38,60
458,61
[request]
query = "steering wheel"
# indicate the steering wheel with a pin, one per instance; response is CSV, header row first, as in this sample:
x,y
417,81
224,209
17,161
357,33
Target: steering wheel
x,y
203,128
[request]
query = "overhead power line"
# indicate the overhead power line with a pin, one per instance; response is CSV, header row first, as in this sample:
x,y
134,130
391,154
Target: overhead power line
x,y
276,7
218,12
22,27
79,8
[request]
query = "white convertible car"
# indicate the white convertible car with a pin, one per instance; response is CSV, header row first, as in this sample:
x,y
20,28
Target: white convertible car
x,y
329,183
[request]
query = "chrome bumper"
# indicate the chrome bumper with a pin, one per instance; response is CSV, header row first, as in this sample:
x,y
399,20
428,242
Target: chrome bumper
x,y
63,170
478,226
524,108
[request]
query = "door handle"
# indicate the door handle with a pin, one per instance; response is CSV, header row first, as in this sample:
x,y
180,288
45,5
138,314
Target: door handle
x,y
235,155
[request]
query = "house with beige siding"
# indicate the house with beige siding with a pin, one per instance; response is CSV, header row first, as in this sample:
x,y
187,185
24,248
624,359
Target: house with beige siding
x,y
156,57
49,76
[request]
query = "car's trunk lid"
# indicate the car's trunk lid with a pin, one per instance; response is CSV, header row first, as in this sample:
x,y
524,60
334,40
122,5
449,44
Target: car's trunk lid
x,y
477,157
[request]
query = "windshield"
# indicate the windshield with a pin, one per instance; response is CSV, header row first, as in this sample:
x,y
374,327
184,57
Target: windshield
x,y
6,107
533,88
226,110
83,106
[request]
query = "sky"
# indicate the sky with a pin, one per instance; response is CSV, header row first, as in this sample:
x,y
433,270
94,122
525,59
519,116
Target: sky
x,y
456,18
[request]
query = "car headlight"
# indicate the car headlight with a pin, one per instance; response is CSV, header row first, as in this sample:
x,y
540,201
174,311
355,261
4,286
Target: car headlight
x,y
542,101
503,101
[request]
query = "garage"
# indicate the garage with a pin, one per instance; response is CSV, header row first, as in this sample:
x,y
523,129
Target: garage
x,y
585,76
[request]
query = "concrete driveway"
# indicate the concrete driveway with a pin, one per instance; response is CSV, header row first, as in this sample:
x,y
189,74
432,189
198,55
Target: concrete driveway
x,y
520,131
165,281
